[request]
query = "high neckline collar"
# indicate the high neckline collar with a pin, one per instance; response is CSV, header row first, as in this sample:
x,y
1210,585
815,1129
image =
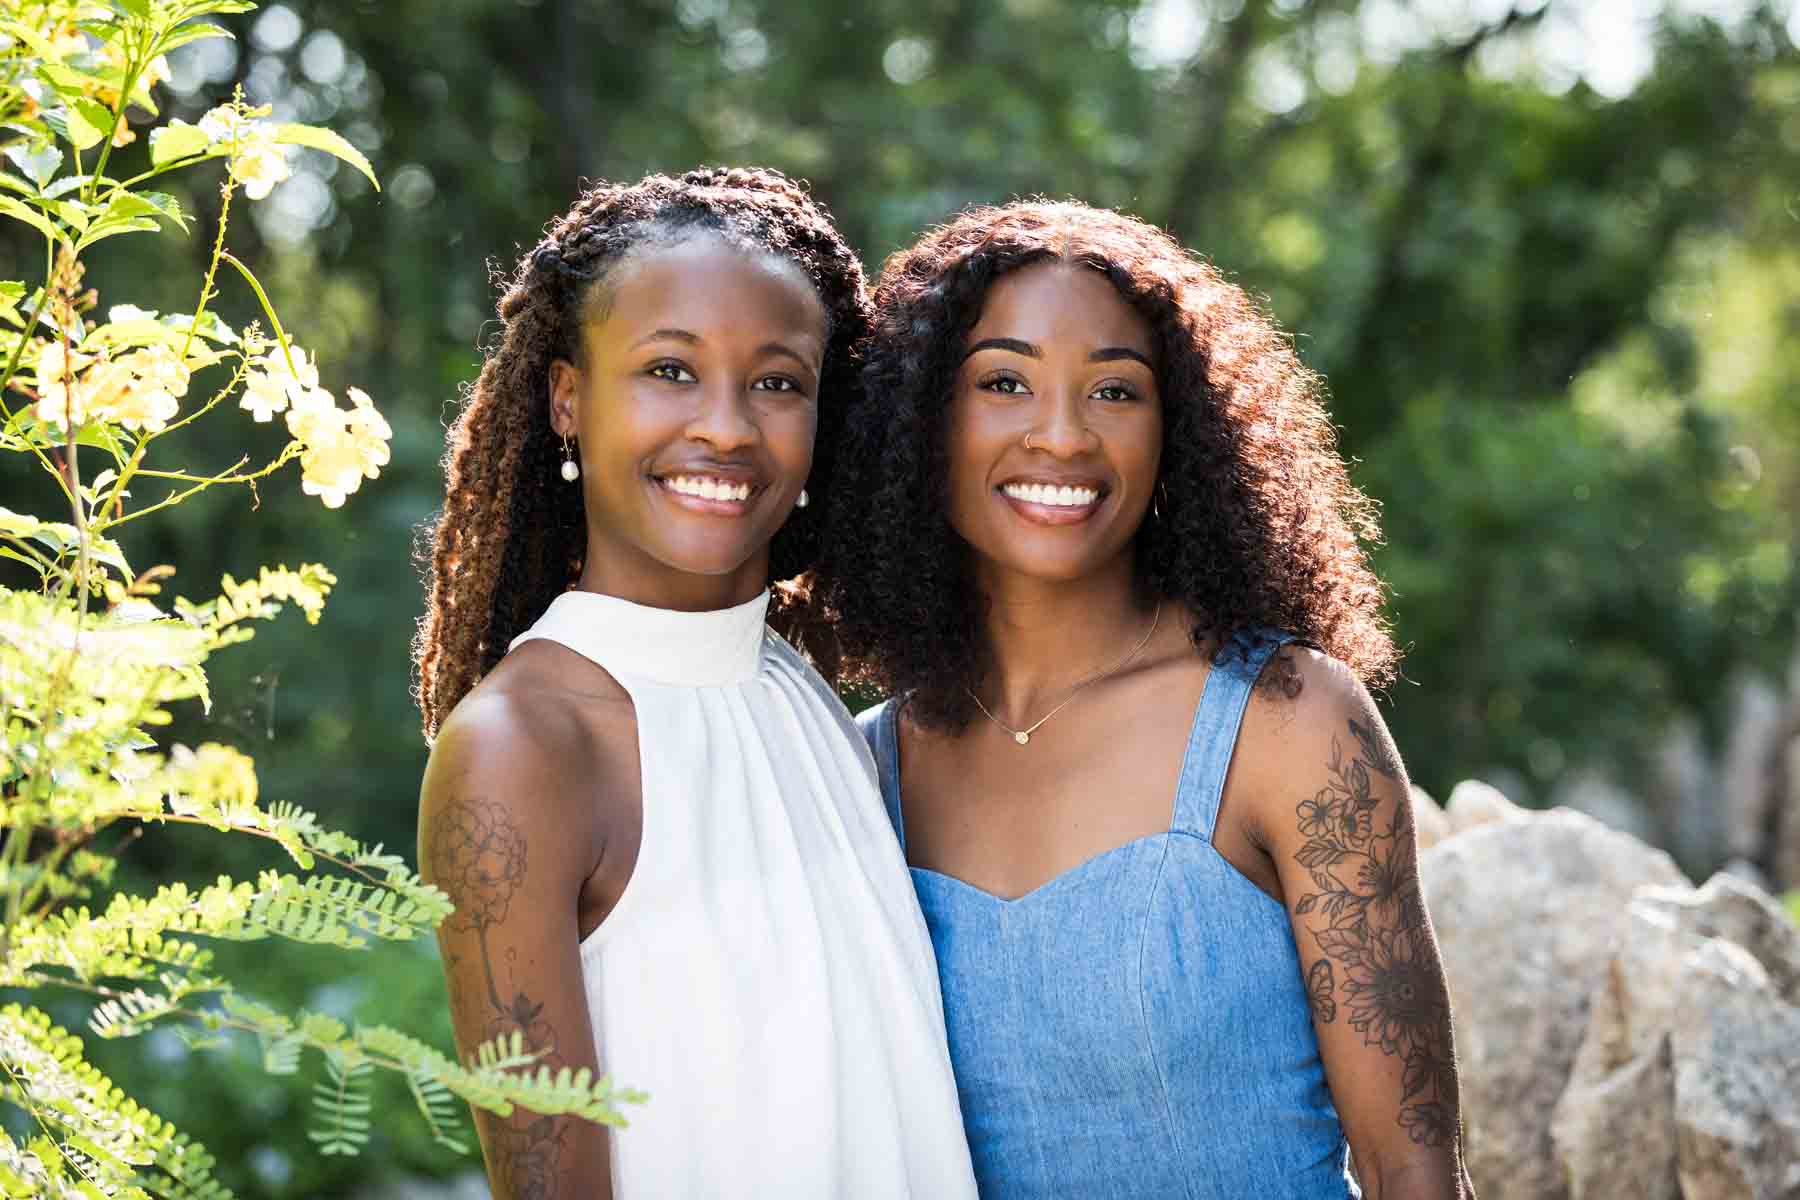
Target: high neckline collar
x,y
660,645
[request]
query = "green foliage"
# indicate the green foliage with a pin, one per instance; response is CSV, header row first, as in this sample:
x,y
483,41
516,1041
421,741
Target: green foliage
x,y
93,664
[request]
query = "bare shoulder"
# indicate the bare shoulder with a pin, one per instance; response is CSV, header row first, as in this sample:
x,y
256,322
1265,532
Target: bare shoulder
x,y
547,753
1309,710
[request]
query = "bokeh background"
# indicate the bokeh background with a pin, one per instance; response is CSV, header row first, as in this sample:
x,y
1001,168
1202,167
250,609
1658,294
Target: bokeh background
x,y
1547,256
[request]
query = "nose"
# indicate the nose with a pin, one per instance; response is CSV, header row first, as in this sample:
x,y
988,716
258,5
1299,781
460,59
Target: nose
x,y
724,418
1062,429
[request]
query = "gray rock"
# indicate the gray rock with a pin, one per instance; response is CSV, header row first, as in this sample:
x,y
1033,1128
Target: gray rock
x,y
1683,1087
1591,792
1473,803
1528,909
1429,821
1614,1128
1749,872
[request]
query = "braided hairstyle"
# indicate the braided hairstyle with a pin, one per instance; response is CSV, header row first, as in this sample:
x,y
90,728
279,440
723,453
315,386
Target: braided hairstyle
x,y
511,535
1257,522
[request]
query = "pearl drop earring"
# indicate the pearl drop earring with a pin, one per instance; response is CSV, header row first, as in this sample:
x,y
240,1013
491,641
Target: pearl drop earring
x,y
571,470
803,501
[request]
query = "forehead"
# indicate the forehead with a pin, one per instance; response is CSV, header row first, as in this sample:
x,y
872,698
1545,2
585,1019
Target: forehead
x,y
1058,303
709,286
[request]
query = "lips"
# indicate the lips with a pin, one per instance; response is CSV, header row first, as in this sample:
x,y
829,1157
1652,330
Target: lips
x,y
711,490
1065,495
1044,500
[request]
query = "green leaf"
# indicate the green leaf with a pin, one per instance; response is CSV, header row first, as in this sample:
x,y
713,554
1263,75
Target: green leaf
x,y
37,163
184,34
88,123
331,142
11,291
31,217
74,213
176,140
163,205
133,8
107,227
67,184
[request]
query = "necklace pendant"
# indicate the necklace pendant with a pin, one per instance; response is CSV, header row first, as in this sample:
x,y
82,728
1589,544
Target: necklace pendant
x,y
1021,737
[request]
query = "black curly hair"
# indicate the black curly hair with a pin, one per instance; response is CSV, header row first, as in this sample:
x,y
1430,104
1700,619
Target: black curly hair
x,y
1259,525
511,535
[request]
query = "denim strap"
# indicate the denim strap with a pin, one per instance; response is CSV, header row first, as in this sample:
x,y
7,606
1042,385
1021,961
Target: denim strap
x,y
1222,703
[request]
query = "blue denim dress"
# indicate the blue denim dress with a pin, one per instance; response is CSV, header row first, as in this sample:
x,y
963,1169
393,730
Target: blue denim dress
x,y
1137,1026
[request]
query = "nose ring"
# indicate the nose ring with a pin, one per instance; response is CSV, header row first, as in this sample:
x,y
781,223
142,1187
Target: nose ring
x,y
1028,441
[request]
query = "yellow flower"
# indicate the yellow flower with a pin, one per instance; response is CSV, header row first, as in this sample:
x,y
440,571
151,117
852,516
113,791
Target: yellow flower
x,y
149,400
55,370
271,385
257,161
309,407
331,466
370,432
259,166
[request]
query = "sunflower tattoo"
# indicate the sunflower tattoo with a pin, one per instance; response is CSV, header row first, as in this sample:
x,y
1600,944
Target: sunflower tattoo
x,y
1380,969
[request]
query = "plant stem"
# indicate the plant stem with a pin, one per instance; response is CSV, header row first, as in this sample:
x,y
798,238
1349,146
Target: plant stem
x,y
281,460
133,68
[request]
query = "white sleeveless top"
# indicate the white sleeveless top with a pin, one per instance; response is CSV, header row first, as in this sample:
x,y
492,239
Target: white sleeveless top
x,y
766,976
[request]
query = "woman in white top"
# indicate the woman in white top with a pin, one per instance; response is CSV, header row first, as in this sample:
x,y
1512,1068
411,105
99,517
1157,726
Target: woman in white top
x,y
660,829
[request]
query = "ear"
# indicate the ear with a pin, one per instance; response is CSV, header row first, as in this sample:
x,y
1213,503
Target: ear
x,y
565,389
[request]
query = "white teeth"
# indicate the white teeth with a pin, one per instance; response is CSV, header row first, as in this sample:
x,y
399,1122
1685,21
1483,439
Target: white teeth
x,y
707,488
1051,495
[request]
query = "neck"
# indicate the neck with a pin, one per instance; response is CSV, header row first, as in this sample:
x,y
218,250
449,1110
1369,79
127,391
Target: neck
x,y
657,585
1044,637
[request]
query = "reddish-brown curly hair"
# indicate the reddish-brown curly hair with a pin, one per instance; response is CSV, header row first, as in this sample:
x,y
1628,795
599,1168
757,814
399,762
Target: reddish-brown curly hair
x,y
1258,525
512,534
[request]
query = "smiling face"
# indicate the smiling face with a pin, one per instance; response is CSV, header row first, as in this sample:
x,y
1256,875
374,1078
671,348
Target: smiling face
x,y
693,405
1060,359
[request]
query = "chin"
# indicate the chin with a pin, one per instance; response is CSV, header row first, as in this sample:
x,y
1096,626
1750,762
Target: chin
x,y
1053,568
707,556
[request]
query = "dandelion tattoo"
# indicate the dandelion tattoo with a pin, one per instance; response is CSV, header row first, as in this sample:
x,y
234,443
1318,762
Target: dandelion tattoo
x,y
478,856
1368,919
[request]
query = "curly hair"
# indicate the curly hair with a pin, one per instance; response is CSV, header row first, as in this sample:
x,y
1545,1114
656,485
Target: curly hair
x,y
512,535
1257,524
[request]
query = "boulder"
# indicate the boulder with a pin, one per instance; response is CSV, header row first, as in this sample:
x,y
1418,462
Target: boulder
x,y
1592,792
1473,803
1429,822
1528,910
1684,1084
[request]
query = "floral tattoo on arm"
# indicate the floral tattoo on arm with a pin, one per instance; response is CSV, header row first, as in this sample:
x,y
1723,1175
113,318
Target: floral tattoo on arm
x,y
478,855
1379,968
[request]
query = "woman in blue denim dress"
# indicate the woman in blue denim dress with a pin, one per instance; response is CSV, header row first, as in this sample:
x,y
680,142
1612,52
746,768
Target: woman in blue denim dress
x,y
1097,542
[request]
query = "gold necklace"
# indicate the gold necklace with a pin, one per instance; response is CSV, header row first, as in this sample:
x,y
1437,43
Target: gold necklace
x,y
1023,736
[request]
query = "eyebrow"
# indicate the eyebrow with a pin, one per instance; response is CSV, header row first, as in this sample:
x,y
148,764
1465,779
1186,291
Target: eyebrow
x,y
689,338
668,335
1016,346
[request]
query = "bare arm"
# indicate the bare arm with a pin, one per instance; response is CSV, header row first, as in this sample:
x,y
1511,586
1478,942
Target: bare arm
x,y
494,835
1334,809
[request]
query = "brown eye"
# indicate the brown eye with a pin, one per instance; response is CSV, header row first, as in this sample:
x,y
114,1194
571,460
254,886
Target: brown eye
x,y
777,383
671,372
1006,385
1115,393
